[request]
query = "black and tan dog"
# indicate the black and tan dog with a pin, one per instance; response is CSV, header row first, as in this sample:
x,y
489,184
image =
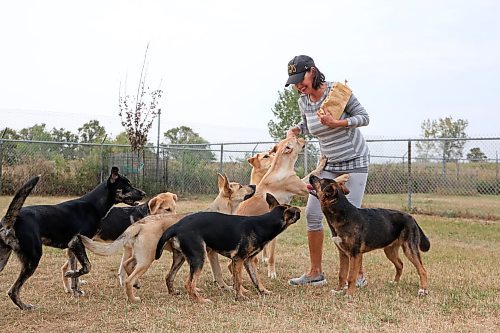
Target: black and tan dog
x,y
25,230
139,241
359,230
239,238
118,219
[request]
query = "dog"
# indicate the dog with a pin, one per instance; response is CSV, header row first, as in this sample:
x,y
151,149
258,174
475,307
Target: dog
x,y
359,230
239,238
282,182
260,162
140,240
31,227
120,218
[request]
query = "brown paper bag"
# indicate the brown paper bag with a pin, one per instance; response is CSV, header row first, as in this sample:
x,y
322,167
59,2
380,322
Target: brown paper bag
x,y
337,99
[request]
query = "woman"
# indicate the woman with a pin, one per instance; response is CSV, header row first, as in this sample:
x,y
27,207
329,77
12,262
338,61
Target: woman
x,y
342,143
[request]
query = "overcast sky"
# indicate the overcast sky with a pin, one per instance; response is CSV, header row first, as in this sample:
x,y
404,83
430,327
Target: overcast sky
x,y
221,63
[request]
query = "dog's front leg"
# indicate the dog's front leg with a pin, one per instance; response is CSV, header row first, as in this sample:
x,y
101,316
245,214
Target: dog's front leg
x,y
354,265
78,249
236,266
343,270
216,270
252,272
271,264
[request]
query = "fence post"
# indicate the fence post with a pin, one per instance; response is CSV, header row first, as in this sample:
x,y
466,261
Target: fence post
x,y
1,163
410,179
221,157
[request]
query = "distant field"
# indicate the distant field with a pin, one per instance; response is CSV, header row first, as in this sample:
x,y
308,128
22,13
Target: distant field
x,y
462,266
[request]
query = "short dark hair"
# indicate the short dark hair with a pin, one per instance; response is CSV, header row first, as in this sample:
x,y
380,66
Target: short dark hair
x,y
318,79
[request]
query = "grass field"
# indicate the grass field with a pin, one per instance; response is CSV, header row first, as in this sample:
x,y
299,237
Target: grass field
x,y
463,269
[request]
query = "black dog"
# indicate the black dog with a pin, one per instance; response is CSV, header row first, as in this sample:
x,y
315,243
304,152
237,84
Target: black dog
x,y
239,238
55,225
356,231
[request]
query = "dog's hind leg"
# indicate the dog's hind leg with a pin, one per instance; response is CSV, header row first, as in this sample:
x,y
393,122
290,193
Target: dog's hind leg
x,y
139,270
127,265
413,254
28,268
216,270
5,252
177,261
392,253
252,273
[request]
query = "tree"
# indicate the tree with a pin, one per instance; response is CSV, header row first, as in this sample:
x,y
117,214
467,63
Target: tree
x,y
37,132
286,111
137,112
192,141
92,132
476,155
445,128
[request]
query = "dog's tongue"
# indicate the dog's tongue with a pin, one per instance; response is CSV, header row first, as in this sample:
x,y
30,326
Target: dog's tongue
x,y
311,189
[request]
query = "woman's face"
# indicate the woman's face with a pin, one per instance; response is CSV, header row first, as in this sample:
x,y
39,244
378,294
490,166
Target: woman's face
x,y
305,87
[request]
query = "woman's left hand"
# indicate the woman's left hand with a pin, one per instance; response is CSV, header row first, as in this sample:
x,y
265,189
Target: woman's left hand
x,y
326,119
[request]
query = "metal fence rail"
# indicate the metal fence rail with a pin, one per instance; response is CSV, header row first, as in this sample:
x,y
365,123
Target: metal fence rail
x,y
396,166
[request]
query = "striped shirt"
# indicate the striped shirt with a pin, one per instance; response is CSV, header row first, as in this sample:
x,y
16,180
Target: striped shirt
x,y
345,147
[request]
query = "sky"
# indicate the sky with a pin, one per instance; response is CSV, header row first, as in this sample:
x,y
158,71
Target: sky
x,y
222,63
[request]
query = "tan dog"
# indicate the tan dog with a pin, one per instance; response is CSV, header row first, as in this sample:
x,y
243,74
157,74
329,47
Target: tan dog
x,y
120,218
260,162
283,183
139,241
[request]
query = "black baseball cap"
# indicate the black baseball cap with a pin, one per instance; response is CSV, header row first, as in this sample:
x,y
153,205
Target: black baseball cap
x,y
297,68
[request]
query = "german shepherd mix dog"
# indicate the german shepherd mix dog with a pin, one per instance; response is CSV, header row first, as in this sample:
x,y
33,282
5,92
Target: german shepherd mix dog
x,y
359,230
239,238
120,218
139,241
25,230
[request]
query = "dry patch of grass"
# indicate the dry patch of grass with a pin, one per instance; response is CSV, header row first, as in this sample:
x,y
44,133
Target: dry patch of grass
x,y
462,266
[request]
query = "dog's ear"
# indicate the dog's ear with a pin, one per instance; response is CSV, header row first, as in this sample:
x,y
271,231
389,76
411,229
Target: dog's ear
x,y
153,205
271,201
344,188
274,150
174,196
226,189
252,159
114,174
220,182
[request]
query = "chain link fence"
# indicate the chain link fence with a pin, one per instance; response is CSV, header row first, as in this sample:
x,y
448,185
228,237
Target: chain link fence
x,y
443,166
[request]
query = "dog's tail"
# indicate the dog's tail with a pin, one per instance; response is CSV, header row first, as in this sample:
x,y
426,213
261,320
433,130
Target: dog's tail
x,y
107,249
169,233
424,244
18,202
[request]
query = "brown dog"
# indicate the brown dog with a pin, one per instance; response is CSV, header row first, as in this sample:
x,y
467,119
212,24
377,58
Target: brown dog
x,y
359,230
260,162
139,241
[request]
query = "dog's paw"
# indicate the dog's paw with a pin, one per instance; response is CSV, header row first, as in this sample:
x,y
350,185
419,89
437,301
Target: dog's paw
x,y
272,275
423,292
265,260
264,291
338,291
135,299
72,274
77,293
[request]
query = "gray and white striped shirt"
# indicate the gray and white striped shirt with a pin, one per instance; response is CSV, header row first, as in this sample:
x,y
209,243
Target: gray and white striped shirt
x,y
345,147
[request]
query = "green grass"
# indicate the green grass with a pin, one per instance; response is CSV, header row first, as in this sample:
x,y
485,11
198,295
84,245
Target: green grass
x,y
462,264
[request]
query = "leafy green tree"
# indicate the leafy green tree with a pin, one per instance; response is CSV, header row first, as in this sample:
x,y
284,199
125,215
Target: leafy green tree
x,y
37,132
9,134
189,141
447,128
92,132
287,113
476,155
68,150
